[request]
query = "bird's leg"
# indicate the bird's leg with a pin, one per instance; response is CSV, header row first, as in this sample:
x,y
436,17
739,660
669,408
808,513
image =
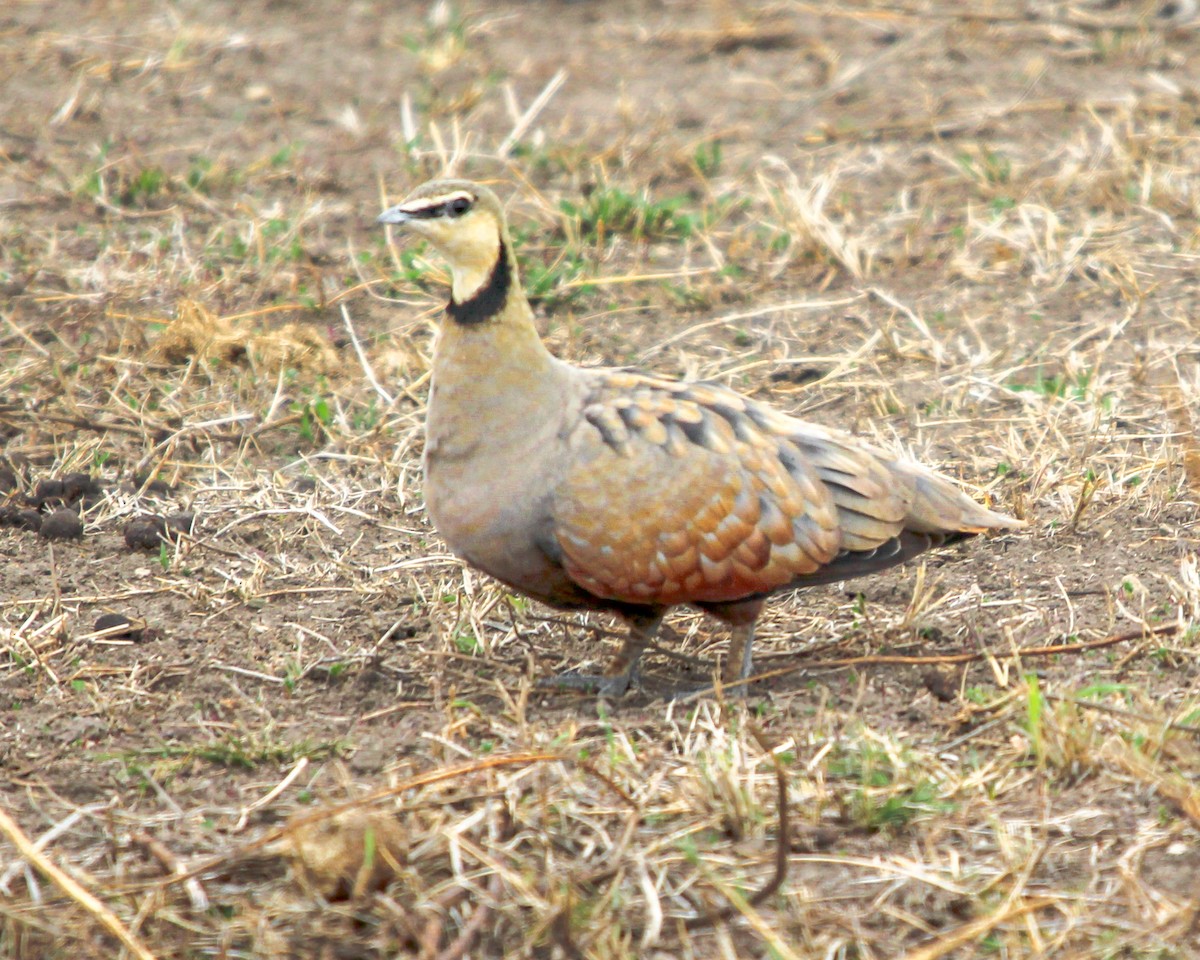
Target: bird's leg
x,y
740,616
621,672
741,655
624,666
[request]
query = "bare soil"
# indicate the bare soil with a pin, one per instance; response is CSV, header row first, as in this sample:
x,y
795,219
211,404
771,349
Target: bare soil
x,y
972,235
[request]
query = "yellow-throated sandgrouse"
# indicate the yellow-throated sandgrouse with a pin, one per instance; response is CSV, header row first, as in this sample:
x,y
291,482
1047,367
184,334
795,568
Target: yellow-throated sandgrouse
x,y
607,489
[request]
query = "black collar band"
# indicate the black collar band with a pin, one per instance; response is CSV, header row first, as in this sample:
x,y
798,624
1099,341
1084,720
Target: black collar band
x,y
489,299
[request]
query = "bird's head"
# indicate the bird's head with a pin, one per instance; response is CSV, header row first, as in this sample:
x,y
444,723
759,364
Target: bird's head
x,y
465,221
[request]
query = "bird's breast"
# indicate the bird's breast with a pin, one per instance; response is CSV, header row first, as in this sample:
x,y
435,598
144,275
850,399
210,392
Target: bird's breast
x,y
490,506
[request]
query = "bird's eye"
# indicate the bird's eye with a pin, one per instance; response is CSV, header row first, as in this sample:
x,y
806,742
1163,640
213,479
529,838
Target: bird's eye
x,y
458,206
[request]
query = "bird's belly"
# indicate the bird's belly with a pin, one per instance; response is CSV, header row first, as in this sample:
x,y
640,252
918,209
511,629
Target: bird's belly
x,y
495,530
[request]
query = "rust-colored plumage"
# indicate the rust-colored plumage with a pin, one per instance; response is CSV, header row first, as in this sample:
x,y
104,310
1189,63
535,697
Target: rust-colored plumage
x,y
610,489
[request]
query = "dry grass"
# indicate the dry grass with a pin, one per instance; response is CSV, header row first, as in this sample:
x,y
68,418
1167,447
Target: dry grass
x,y
973,238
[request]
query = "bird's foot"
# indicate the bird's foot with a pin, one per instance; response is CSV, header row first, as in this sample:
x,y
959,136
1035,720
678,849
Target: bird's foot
x,y
601,685
726,690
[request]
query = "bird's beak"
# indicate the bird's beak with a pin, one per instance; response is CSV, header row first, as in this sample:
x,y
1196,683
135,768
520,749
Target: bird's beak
x,y
394,214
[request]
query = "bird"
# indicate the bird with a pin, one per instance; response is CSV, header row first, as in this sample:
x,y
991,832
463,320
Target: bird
x,y
611,489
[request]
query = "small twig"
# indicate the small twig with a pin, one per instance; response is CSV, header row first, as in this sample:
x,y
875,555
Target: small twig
x,y
972,734
884,659
608,781
253,674
746,315
51,625
105,426
362,359
47,838
1119,712
935,346
270,795
393,708
639,278
560,930
948,942
783,842
1048,651
80,423
530,115
431,936
109,920
462,943
386,793
56,606
159,851
24,335
783,845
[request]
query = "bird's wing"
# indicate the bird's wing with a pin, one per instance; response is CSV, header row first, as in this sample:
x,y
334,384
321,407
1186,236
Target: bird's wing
x,y
690,493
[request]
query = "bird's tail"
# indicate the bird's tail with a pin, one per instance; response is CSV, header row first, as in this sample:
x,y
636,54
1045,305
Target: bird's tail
x,y
939,506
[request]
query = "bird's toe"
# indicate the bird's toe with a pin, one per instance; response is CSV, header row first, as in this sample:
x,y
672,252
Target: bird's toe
x,y
603,686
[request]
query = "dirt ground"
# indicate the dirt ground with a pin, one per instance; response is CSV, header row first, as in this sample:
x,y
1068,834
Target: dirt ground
x,y
314,733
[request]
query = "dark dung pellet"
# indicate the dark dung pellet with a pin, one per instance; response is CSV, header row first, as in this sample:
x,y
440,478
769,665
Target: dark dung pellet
x,y
156,487
111,621
61,525
144,533
28,519
75,486
180,523
47,489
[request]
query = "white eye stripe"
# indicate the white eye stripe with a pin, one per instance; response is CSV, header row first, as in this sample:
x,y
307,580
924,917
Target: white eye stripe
x,y
428,205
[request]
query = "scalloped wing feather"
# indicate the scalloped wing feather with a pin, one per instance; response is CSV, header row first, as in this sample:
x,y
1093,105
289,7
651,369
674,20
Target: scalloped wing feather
x,y
691,493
